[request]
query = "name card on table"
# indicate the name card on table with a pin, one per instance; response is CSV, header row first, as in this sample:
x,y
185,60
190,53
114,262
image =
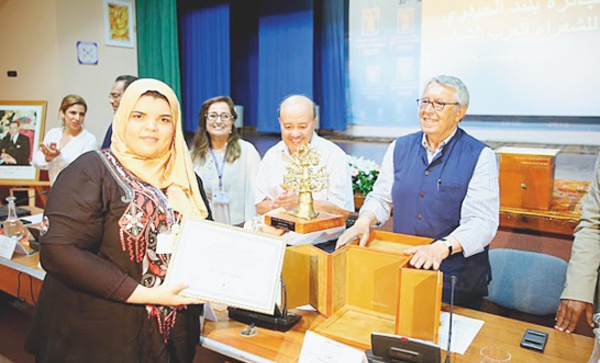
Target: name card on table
x,y
8,246
317,348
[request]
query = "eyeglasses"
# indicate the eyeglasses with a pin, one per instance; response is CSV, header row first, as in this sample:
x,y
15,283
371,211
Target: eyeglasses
x,y
213,116
437,105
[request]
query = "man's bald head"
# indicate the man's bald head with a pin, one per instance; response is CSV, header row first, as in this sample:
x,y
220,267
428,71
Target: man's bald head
x,y
297,120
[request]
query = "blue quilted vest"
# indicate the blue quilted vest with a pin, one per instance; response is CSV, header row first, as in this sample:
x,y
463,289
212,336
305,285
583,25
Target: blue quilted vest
x,y
427,201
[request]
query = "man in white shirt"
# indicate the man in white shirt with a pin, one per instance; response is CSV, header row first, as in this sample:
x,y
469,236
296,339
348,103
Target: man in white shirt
x,y
298,121
443,184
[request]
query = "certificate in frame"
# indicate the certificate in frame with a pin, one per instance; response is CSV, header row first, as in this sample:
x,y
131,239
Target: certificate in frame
x,y
227,265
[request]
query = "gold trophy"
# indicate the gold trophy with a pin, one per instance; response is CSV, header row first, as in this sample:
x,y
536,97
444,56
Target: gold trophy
x,y
305,175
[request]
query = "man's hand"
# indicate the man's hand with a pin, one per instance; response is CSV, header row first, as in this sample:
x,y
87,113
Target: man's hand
x,y
360,230
287,199
569,312
8,159
428,256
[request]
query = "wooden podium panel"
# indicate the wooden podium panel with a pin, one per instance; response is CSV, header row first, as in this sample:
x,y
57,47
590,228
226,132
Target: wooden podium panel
x,y
526,177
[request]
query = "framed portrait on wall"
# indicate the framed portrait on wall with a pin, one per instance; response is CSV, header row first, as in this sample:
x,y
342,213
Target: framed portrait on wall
x,y
119,23
21,132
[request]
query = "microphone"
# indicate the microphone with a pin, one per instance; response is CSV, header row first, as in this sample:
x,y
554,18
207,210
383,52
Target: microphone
x,y
21,200
452,286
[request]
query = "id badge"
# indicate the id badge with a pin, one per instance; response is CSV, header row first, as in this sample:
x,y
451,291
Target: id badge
x,y
220,197
164,243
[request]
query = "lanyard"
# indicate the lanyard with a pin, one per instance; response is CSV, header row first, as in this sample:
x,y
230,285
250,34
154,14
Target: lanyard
x,y
163,198
220,168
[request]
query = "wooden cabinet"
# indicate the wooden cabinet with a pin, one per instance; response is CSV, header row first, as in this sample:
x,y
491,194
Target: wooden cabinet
x,y
526,177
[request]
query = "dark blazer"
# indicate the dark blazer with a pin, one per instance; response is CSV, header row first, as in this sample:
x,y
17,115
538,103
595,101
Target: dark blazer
x,y
19,150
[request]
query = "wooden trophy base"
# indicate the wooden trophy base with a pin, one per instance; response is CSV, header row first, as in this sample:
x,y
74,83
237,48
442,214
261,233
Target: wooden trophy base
x,y
323,221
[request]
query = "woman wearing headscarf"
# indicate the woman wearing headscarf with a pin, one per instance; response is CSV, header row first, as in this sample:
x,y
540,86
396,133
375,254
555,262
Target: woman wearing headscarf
x,y
102,299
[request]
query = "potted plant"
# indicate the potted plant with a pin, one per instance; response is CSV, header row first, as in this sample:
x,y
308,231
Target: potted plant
x,y
364,174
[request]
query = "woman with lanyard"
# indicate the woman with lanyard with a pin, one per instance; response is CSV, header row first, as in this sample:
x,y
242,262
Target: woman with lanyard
x,y
103,297
226,164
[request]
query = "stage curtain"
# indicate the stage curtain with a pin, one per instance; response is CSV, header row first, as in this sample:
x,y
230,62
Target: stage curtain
x,y
205,56
157,47
330,59
244,57
285,56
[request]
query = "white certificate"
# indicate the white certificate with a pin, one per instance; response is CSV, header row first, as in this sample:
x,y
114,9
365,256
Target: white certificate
x,y
227,265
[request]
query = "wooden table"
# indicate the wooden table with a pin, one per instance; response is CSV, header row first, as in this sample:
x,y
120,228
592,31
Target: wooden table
x,y
22,276
271,346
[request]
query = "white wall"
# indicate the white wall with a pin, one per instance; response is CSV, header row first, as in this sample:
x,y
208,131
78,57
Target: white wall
x,y
39,41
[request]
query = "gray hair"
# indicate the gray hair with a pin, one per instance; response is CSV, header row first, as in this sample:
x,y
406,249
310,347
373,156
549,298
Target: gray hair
x,y
462,94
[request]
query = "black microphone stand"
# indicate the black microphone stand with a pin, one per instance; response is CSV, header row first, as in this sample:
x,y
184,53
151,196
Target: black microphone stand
x,y
452,286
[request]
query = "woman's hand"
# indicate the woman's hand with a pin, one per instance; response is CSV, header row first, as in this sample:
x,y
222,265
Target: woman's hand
x,y
162,295
50,151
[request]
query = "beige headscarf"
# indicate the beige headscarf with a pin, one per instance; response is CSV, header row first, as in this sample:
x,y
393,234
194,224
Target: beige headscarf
x,y
173,170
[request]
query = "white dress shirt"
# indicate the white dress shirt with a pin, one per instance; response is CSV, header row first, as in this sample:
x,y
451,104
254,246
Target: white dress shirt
x,y
480,209
273,168
85,141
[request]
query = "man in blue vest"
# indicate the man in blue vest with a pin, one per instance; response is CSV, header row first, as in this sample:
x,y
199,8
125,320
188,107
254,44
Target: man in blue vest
x,y
443,184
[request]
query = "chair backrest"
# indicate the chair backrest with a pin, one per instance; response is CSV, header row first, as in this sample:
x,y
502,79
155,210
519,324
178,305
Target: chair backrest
x,y
529,282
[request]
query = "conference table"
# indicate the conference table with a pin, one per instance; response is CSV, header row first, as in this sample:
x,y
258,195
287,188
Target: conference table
x,y
22,277
225,338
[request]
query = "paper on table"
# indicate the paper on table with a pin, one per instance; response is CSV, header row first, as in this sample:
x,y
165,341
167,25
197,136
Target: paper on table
x,y
7,247
318,349
34,219
464,331
296,239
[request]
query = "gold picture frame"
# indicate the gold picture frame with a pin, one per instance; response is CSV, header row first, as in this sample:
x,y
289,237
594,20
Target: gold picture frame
x,y
17,154
119,23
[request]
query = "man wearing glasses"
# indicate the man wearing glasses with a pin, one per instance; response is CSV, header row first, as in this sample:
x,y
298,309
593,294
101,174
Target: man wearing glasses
x,y
114,98
297,120
443,184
